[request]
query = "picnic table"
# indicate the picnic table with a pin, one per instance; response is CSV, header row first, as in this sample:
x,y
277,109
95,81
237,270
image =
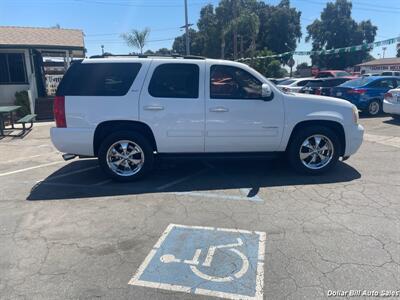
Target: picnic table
x,y
7,110
4,110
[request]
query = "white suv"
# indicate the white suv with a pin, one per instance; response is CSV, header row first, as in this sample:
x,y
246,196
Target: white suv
x,y
127,110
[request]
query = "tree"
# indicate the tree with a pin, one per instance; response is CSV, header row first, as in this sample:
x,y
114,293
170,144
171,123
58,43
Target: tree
x,y
280,27
398,50
239,28
196,43
269,67
335,29
137,39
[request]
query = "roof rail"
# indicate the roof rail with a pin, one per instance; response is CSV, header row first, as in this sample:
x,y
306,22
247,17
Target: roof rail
x,y
148,56
105,55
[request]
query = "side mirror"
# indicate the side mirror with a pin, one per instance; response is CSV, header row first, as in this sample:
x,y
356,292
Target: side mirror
x,y
266,92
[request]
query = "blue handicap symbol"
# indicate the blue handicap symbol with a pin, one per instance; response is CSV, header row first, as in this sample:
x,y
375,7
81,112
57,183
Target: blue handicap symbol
x,y
206,260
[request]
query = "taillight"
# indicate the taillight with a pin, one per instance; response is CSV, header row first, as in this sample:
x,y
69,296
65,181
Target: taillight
x,y
357,91
389,97
59,112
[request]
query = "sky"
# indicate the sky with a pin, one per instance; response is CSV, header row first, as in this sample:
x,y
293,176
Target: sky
x,y
103,21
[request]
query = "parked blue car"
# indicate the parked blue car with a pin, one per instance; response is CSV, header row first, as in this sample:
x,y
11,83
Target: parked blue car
x,y
366,93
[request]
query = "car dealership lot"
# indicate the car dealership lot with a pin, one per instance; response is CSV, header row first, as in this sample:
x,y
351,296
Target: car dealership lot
x,y
67,231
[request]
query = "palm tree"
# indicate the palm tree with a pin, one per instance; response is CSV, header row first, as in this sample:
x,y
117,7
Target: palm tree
x,y
136,38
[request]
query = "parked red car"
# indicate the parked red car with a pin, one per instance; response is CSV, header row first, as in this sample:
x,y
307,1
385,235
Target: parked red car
x,y
332,73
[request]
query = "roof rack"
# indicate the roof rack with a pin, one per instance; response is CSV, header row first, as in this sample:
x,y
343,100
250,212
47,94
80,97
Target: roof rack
x,y
105,55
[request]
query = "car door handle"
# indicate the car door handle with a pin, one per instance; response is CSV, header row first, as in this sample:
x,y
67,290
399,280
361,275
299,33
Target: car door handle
x,y
153,107
219,109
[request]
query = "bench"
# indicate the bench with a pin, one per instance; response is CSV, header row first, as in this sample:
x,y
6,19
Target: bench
x,y
24,120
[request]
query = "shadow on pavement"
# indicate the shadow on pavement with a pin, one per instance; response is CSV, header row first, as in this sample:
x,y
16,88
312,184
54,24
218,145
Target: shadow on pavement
x,y
392,122
84,179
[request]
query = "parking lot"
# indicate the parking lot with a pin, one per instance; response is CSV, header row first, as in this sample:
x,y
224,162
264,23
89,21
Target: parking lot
x,y
66,231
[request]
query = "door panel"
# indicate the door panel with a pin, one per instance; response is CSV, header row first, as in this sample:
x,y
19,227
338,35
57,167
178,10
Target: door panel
x,y
173,106
237,119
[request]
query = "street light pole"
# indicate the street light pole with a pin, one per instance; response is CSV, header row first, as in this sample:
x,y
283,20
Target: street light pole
x,y
187,29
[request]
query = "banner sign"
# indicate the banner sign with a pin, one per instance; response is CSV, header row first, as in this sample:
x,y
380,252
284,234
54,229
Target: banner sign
x,y
368,46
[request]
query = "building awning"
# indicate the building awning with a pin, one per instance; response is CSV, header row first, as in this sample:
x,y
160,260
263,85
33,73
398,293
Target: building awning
x,y
382,61
45,39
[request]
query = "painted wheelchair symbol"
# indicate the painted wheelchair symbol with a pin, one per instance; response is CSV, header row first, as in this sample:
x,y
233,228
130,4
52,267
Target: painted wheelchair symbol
x,y
194,262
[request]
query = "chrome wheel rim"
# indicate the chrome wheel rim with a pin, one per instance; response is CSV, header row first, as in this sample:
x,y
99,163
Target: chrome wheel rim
x,y
125,158
316,152
373,108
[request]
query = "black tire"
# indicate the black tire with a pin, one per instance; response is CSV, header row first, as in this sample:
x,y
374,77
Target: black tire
x,y
293,151
136,138
372,109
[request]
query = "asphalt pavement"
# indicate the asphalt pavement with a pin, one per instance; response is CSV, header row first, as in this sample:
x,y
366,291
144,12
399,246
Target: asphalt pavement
x,y
195,229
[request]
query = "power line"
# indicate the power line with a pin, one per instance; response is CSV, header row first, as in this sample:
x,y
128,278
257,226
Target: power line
x,y
118,33
366,8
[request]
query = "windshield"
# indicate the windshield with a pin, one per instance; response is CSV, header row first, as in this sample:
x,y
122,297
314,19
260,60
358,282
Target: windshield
x,y
287,82
358,82
314,83
342,74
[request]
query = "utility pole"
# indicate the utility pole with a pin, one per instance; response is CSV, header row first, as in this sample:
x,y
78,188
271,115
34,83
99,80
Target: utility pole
x,y
384,50
102,49
187,29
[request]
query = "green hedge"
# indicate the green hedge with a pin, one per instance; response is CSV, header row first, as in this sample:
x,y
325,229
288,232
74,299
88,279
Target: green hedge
x,y
22,99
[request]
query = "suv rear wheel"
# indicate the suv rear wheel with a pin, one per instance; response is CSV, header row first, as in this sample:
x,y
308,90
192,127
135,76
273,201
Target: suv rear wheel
x,y
314,150
125,156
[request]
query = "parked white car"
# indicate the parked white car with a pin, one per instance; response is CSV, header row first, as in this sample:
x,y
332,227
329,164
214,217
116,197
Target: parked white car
x,y
294,85
391,103
128,110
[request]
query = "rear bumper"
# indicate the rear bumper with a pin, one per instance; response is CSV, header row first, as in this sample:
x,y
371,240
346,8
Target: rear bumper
x,y
73,140
391,108
354,139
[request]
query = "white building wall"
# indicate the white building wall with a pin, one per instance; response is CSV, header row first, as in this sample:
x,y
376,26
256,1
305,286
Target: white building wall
x,y
7,91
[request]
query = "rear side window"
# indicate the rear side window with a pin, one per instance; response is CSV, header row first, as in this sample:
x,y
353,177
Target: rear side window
x,y
98,79
175,81
383,84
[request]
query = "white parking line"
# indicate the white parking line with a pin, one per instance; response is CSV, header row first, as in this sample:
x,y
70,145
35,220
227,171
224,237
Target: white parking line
x,y
384,140
218,196
31,168
23,158
102,182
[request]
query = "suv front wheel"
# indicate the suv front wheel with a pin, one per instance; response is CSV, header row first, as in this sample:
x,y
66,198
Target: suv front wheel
x,y
125,156
314,150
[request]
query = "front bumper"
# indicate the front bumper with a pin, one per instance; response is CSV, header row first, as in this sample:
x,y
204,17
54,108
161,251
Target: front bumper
x,y
354,139
391,108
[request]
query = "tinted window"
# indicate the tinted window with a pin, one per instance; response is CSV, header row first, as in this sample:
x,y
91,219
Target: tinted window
x,y
383,84
12,68
324,75
233,83
334,82
358,82
175,81
98,79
